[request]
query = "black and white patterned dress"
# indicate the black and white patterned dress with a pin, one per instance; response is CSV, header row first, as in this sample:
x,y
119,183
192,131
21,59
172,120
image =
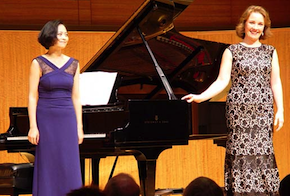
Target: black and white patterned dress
x,y
250,166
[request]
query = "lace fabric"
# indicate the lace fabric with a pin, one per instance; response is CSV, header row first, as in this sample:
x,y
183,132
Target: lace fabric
x,y
45,68
72,68
250,166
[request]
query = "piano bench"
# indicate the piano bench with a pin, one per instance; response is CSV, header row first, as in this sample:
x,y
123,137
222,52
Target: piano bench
x,y
16,179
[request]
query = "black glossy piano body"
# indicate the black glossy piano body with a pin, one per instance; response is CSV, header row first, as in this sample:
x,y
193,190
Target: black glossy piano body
x,y
112,131
150,55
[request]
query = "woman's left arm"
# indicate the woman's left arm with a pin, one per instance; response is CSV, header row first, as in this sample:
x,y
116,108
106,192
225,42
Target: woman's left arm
x,y
77,105
276,86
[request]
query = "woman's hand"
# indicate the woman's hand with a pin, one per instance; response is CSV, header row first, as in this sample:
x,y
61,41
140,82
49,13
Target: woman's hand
x,y
80,135
33,136
192,97
279,120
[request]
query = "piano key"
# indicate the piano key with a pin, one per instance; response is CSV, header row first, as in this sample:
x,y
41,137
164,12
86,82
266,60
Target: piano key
x,y
86,136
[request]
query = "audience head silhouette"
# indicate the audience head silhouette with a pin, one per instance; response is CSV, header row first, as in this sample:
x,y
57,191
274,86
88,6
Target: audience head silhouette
x,y
203,186
86,191
122,185
284,189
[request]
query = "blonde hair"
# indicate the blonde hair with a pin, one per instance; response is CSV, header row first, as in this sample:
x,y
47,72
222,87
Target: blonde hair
x,y
240,28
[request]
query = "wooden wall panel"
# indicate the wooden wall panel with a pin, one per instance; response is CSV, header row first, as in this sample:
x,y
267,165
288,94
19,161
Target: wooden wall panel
x,y
85,14
224,14
104,11
176,167
31,12
109,15
279,14
201,14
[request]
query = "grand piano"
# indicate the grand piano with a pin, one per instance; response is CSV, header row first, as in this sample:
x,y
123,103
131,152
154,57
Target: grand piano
x,y
145,115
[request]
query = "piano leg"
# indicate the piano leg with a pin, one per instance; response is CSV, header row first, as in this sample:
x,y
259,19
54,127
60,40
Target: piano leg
x,y
95,170
147,169
82,160
147,177
146,158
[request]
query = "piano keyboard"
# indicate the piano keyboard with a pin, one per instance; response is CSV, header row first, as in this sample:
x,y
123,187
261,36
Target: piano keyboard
x,y
86,136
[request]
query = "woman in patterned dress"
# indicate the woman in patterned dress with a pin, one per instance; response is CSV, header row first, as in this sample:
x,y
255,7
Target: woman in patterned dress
x,y
253,68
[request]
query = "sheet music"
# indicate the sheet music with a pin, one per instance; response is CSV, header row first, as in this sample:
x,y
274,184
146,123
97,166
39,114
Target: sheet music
x,y
96,87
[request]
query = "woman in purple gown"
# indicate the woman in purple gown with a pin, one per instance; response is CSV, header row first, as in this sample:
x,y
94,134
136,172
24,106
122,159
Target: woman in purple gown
x,y
55,115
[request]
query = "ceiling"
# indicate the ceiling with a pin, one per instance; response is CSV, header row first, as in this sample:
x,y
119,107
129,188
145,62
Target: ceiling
x,y
109,15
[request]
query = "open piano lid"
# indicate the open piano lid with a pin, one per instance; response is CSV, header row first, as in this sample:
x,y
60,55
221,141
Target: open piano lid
x,y
190,64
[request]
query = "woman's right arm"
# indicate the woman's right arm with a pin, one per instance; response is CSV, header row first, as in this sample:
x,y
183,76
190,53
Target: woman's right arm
x,y
34,76
219,84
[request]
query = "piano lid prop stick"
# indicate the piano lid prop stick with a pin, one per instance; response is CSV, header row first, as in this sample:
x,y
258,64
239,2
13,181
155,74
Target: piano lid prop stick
x,y
166,85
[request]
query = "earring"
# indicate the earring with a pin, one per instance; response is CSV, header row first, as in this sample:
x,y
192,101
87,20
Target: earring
x,y
262,33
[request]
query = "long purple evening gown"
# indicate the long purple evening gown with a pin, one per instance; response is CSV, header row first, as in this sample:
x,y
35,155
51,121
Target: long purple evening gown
x,y
57,164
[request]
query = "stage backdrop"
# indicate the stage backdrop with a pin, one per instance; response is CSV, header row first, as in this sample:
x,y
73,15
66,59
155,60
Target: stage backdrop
x,y
176,167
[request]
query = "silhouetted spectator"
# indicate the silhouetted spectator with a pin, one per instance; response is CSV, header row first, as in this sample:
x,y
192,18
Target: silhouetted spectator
x,y
122,185
87,191
284,189
203,186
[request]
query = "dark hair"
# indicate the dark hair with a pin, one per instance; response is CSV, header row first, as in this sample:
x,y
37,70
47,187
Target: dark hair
x,y
240,28
284,188
122,185
48,34
92,190
203,186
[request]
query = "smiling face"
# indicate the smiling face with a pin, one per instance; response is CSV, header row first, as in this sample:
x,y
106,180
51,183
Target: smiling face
x,y
254,26
62,37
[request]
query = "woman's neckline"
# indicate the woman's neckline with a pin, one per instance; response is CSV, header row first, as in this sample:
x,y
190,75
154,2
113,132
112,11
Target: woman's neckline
x,y
249,46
